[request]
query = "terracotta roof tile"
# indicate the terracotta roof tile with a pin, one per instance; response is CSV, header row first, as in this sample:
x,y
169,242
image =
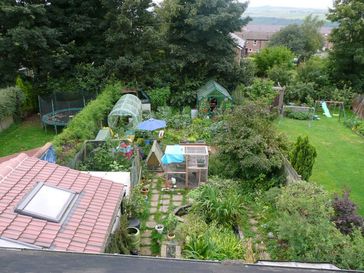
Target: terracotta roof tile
x,y
86,226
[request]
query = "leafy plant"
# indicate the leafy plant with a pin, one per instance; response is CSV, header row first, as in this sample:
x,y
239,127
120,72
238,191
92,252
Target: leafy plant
x,y
85,124
170,223
298,115
303,157
346,217
159,96
217,201
11,100
134,204
248,143
119,240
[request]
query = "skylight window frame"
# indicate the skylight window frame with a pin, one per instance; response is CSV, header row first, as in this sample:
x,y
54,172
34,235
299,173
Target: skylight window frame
x,y
21,207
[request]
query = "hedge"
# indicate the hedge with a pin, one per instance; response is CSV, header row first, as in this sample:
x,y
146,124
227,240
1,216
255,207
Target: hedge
x,y
85,124
11,100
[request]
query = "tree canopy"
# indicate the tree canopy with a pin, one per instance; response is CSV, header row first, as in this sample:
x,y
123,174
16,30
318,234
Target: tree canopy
x,y
304,40
347,55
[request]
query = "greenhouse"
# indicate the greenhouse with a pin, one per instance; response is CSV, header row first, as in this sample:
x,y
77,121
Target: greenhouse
x,y
127,112
213,96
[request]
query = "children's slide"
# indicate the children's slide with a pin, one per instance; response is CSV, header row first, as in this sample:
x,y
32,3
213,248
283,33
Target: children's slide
x,y
325,109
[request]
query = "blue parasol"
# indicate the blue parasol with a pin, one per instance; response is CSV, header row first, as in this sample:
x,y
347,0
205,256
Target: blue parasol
x,y
152,124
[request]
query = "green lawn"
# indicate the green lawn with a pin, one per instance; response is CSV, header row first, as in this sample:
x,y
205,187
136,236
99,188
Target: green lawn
x,y
340,154
24,136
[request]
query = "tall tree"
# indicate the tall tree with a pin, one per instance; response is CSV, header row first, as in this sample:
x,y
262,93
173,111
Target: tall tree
x,y
26,40
347,55
197,35
304,40
132,39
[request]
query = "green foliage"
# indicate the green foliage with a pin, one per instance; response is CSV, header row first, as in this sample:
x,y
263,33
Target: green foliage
x,y
280,74
210,242
170,223
271,56
261,90
119,240
159,97
314,70
135,203
302,157
347,55
298,115
85,124
31,101
304,40
217,201
301,93
104,159
11,101
174,118
305,230
248,143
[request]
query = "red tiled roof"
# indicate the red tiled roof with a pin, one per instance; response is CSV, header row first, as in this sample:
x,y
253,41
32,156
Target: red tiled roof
x,y
87,226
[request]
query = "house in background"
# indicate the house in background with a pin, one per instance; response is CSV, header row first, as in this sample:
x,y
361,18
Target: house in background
x,y
255,41
47,206
240,46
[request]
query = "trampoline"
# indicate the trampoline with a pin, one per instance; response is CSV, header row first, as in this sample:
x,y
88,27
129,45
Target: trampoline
x,y
60,117
59,108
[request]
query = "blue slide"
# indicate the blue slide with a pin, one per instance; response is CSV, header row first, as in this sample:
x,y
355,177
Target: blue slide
x,y
325,109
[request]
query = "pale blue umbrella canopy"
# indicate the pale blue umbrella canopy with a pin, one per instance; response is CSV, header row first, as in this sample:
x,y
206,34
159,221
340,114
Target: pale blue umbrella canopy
x,y
152,124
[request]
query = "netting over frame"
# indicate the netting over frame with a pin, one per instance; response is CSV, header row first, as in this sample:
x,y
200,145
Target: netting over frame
x,y
127,106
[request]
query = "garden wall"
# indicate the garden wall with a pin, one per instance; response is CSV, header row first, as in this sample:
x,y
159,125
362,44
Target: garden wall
x,y
291,174
6,122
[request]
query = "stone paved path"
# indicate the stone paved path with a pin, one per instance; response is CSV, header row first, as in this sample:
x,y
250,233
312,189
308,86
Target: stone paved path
x,y
161,202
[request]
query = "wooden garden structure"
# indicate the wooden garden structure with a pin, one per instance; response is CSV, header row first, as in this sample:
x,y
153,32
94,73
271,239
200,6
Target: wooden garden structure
x,y
187,164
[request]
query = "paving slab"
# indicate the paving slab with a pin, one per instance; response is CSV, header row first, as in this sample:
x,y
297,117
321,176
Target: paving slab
x,y
145,251
147,233
147,241
154,204
155,191
165,202
166,196
177,197
153,210
163,209
150,223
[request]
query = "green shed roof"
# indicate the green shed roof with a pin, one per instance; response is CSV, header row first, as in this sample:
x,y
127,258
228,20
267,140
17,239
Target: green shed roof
x,y
212,87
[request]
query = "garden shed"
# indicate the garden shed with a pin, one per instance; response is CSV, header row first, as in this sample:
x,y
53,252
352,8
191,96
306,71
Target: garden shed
x,y
154,159
187,164
214,95
126,112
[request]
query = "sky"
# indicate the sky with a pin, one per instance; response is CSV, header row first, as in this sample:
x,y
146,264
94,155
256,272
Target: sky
x,y
316,4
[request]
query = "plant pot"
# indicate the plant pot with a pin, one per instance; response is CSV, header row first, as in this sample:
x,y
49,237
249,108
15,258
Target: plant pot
x,y
145,191
134,222
171,236
159,228
134,238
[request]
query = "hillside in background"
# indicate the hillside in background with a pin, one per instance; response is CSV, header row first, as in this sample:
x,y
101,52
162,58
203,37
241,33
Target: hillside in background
x,y
283,16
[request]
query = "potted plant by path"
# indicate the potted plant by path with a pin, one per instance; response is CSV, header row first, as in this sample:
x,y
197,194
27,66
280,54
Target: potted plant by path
x,y
145,190
133,207
159,228
171,224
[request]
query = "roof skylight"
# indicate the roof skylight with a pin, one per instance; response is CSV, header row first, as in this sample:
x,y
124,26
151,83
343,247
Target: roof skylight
x,y
47,202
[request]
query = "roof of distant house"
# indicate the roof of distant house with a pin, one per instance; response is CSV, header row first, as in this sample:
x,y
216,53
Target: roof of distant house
x,y
257,35
50,261
54,207
238,40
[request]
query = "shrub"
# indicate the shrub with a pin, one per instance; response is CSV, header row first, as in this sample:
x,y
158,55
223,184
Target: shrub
x,y
298,115
260,90
307,200
119,241
280,74
346,217
159,96
217,201
271,56
249,144
303,157
211,242
85,124
11,100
